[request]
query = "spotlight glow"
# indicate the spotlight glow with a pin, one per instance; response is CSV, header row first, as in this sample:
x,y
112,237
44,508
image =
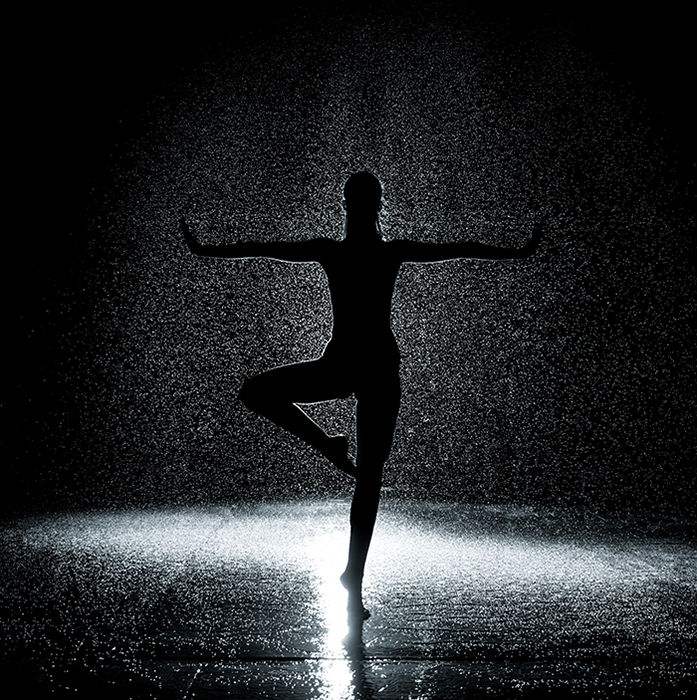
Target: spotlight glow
x,y
241,592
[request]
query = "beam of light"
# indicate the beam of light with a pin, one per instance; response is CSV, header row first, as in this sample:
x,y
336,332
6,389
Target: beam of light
x,y
328,552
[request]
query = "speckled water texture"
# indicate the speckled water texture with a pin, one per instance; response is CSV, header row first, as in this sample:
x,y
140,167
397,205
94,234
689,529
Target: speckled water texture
x,y
244,602
568,376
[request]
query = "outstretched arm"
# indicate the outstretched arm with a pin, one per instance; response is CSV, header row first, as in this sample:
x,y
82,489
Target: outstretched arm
x,y
297,251
413,251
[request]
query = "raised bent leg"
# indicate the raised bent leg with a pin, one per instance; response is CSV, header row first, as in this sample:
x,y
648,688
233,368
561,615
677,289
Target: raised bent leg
x,y
273,394
376,417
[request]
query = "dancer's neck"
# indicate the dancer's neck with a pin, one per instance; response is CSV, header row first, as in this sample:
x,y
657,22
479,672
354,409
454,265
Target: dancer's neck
x,y
362,228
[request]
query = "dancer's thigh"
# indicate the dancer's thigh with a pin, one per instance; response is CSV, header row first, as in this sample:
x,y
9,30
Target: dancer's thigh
x,y
304,382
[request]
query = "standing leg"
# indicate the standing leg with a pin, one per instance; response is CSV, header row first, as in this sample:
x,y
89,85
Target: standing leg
x,y
376,417
273,394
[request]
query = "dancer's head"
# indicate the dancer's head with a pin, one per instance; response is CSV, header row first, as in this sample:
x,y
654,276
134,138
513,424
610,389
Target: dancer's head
x,y
363,201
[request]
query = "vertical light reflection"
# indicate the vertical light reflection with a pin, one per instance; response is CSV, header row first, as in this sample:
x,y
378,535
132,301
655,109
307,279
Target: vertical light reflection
x,y
328,555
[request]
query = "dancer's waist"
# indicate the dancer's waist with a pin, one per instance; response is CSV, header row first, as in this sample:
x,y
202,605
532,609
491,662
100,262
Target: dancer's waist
x,y
375,346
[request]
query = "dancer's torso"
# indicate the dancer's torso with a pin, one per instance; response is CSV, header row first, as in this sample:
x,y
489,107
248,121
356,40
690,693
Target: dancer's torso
x,y
361,283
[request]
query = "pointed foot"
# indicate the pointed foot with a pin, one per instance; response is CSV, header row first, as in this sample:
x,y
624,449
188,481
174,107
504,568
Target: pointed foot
x,y
355,608
337,453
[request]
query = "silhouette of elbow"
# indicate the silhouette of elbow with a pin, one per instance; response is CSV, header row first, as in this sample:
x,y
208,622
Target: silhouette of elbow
x,y
251,393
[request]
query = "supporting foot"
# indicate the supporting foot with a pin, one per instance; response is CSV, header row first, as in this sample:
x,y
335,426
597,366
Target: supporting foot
x,y
337,453
353,584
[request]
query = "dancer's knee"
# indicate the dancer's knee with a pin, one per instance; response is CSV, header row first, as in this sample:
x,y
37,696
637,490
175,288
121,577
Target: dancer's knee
x,y
369,476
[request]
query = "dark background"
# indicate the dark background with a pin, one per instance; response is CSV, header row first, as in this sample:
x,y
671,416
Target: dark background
x,y
78,87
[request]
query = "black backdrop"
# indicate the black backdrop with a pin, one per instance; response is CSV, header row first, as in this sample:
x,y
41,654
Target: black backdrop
x,y
77,86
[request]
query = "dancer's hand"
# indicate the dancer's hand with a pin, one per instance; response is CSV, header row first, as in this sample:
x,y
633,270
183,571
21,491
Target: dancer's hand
x,y
532,245
194,245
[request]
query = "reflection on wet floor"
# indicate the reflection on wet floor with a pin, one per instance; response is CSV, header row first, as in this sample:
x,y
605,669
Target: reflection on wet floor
x,y
244,601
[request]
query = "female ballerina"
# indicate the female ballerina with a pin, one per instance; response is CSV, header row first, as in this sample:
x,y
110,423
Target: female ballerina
x,y
361,358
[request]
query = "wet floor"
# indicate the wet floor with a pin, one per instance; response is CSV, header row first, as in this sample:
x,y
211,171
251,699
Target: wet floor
x,y
244,602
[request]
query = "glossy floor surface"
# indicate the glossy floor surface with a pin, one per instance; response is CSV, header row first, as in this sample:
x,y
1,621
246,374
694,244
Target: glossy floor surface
x,y
243,601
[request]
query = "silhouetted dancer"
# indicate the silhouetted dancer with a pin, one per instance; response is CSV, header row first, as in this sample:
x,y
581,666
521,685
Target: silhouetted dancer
x,y
361,358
